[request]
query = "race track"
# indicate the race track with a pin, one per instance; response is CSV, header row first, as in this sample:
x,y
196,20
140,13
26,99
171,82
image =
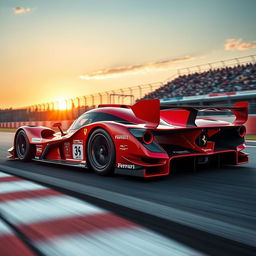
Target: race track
x,y
212,210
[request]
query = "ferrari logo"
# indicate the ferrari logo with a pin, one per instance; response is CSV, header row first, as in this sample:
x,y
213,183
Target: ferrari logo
x,y
85,131
204,139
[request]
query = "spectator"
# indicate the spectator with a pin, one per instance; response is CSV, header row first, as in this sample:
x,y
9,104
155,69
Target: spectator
x,y
228,79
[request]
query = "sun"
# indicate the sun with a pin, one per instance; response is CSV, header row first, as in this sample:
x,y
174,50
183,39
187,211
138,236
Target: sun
x,y
62,105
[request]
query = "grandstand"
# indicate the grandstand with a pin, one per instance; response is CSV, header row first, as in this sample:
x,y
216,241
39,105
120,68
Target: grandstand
x,y
228,79
220,86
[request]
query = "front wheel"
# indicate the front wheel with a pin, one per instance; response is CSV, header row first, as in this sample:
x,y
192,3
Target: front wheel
x,y
101,152
24,150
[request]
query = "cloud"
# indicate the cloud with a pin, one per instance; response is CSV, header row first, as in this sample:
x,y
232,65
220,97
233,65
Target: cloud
x,y
20,10
133,69
233,44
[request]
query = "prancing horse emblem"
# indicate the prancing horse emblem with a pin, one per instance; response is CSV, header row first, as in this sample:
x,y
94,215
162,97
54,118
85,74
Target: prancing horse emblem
x,y
204,139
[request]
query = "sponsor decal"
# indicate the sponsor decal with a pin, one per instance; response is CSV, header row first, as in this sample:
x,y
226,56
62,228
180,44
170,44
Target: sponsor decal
x,y
126,166
121,137
67,149
37,139
85,131
77,142
78,151
181,152
39,148
123,147
207,149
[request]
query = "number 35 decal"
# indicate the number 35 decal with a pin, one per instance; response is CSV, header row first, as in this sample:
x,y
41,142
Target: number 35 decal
x,y
77,151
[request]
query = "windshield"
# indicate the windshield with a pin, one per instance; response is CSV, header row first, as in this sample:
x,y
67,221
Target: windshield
x,y
81,121
93,117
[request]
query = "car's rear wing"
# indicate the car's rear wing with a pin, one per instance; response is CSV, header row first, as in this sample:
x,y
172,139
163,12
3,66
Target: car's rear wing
x,y
151,110
186,115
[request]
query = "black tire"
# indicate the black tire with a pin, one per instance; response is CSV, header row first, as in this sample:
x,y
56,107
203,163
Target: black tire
x,y
101,152
24,150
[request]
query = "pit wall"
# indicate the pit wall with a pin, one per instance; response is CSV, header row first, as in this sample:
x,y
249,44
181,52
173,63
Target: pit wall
x,y
250,124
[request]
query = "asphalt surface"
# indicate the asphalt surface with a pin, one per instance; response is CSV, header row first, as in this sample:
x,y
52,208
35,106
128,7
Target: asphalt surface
x,y
217,206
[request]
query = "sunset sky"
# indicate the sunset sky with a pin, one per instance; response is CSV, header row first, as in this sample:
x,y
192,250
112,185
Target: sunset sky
x,y
51,49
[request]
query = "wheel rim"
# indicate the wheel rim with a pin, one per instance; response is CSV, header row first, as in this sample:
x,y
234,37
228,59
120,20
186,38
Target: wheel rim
x,y
21,145
100,151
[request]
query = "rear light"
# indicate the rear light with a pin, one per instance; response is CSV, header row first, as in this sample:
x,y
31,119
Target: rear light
x,y
147,137
241,131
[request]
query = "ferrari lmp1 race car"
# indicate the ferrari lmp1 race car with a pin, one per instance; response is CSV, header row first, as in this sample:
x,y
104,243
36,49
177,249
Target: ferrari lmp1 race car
x,y
146,139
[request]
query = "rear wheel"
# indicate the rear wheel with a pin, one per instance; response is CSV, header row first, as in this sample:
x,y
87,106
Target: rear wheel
x,y
101,152
24,150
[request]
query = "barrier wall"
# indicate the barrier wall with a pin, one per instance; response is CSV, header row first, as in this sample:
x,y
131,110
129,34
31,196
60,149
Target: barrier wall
x,y
65,124
250,124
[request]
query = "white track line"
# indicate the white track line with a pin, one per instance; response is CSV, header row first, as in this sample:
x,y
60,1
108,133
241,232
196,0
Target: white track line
x,y
126,242
4,229
2,175
46,208
17,186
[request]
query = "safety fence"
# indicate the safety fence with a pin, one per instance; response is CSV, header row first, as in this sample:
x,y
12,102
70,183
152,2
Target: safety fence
x,y
70,109
217,64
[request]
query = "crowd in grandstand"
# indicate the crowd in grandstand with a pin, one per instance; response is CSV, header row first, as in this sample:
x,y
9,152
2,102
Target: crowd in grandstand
x,y
228,79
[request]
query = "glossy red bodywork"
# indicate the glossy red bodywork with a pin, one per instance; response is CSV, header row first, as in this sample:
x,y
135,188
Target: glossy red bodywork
x,y
174,139
176,117
241,112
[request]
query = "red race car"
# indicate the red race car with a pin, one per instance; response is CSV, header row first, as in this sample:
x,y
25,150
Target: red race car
x,y
146,139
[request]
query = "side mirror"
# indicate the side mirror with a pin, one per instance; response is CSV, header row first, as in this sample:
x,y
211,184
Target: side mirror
x,y
56,125
59,126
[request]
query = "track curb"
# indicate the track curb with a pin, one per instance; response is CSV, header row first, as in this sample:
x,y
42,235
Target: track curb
x,y
215,227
